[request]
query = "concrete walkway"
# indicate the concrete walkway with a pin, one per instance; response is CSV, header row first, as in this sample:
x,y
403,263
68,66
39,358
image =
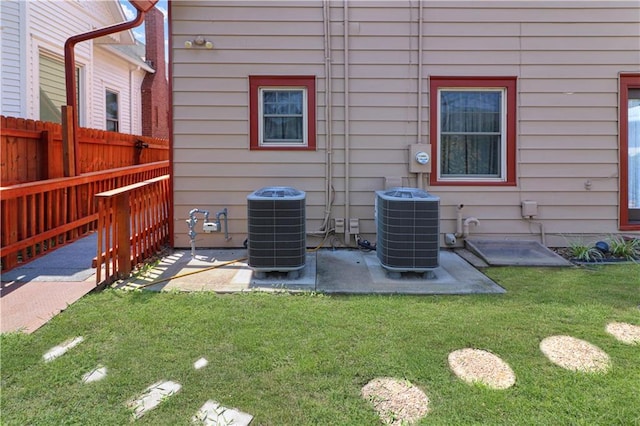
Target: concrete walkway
x,y
34,293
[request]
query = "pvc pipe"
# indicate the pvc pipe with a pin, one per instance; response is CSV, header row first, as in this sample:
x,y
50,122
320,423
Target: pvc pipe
x,y
467,222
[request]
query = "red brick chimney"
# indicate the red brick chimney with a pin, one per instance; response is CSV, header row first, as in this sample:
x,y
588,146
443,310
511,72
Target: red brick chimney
x,y
155,89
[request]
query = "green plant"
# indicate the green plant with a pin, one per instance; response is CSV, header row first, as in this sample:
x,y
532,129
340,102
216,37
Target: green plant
x,y
625,248
585,253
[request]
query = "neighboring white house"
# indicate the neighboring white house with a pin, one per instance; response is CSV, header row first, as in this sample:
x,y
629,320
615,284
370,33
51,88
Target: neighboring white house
x,y
525,107
110,69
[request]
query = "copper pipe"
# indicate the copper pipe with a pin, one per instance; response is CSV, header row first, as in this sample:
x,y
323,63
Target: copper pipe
x,y
70,72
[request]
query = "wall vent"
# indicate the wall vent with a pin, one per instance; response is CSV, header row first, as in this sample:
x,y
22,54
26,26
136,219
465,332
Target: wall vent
x,y
408,227
277,235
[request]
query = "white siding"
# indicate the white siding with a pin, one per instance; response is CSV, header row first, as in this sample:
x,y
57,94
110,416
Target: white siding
x,y
12,80
30,28
566,55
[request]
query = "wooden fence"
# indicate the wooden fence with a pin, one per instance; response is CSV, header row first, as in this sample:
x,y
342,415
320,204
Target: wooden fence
x,y
32,150
133,225
37,217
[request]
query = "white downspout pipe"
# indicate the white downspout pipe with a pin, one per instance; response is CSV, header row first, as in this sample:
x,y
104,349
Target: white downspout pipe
x,y
347,124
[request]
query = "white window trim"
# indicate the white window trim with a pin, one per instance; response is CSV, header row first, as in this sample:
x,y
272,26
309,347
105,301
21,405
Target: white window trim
x,y
503,136
305,117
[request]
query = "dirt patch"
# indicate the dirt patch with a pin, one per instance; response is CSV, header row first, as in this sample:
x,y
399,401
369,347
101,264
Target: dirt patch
x,y
396,401
478,366
575,354
624,332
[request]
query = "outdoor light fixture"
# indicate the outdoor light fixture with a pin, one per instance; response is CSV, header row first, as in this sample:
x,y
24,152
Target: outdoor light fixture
x,y
198,41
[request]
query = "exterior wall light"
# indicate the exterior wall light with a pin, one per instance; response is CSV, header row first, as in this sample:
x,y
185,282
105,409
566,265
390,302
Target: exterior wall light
x,y
198,41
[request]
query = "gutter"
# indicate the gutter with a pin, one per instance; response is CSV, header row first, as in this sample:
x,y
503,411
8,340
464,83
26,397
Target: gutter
x,y
70,78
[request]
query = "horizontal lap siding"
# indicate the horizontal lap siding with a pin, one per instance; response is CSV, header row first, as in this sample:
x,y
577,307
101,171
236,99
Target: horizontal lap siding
x,y
567,61
213,166
566,56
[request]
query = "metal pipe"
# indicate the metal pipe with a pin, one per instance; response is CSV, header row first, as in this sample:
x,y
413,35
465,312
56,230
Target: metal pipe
x,y
328,105
70,72
420,176
223,212
347,124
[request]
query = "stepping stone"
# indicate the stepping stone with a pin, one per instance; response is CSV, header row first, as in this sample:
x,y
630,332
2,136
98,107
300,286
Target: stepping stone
x,y
152,397
61,349
95,375
575,354
626,333
398,402
201,363
478,366
214,414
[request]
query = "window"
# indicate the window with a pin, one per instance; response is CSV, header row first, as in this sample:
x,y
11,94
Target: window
x,y
282,112
53,94
472,127
111,108
629,152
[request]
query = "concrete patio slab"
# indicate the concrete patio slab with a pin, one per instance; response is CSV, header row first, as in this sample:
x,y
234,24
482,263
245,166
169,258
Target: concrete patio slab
x,y
329,271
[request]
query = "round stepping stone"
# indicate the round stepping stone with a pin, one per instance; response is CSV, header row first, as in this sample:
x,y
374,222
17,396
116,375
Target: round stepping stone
x,y
575,354
478,366
624,332
396,401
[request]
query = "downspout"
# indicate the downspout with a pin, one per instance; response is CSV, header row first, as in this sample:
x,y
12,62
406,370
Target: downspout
x,y
420,177
347,124
70,72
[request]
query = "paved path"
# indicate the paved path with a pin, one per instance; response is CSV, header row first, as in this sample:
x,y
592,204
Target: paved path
x,y
32,294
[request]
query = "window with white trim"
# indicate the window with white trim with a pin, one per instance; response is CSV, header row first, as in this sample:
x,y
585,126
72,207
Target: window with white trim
x,y
282,112
472,130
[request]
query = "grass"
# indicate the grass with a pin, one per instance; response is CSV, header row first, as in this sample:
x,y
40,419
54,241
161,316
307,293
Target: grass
x,y
302,359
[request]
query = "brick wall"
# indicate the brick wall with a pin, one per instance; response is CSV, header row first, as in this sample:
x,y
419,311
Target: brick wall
x,y
155,89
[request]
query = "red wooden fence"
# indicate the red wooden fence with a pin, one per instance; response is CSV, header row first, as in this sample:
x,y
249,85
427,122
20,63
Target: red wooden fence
x,y
133,225
39,216
32,150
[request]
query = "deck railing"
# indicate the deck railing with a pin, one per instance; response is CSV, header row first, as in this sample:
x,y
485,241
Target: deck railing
x,y
37,217
133,225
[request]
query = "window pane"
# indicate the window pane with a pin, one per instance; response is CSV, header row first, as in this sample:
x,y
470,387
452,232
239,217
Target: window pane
x,y
633,140
471,133
112,105
283,129
467,111
464,155
283,119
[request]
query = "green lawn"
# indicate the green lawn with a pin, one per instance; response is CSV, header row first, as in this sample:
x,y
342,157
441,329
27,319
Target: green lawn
x,y
302,359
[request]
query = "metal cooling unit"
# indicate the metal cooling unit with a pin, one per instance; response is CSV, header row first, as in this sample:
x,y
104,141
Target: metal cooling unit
x,y
408,228
277,235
